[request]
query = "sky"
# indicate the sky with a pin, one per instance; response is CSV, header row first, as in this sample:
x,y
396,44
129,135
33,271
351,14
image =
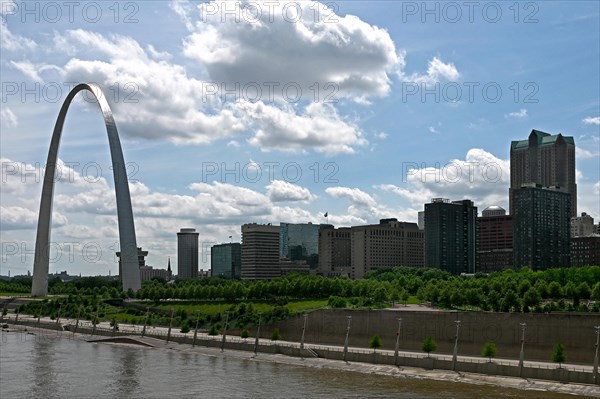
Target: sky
x,y
237,112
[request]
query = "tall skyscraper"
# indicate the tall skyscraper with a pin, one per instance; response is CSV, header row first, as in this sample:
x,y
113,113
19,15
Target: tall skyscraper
x,y
260,251
187,253
387,244
226,260
541,227
450,235
494,240
548,160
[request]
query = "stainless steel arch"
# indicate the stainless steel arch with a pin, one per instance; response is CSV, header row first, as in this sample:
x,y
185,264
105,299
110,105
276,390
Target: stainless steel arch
x,y
129,257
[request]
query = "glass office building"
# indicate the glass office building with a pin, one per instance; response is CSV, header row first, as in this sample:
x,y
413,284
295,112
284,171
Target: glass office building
x,y
300,241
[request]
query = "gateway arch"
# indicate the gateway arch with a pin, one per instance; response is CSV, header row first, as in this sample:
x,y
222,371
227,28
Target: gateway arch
x,y
130,271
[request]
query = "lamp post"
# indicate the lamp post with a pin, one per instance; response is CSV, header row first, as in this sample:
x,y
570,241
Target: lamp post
x,y
303,330
455,354
57,315
196,330
522,354
224,331
397,342
77,321
347,335
257,335
96,320
170,325
597,328
145,321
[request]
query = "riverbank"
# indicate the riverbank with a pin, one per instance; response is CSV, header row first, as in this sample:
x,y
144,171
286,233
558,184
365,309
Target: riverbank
x,y
269,352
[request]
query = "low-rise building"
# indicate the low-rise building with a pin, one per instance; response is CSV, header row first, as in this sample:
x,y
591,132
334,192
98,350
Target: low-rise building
x,y
585,251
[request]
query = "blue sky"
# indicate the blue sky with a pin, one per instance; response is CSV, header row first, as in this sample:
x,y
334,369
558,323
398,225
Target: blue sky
x,y
366,110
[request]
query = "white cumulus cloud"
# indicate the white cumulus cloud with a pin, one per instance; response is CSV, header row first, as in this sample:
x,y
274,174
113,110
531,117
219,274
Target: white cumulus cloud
x,y
317,48
591,120
480,177
281,191
520,114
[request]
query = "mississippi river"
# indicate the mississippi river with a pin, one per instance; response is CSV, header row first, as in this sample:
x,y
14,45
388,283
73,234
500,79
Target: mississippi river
x,y
60,367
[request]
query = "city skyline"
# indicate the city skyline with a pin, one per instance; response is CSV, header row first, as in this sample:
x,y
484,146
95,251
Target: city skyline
x,y
359,168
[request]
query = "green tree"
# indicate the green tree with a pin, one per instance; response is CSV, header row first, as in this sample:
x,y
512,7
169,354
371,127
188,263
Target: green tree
x,y
429,345
245,333
213,330
336,302
375,342
532,297
185,327
394,296
559,355
596,291
380,295
584,291
405,296
554,290
510,301
524,286
275,335
489,350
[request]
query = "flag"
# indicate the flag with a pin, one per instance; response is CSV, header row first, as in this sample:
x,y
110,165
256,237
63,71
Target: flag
x,y
326,213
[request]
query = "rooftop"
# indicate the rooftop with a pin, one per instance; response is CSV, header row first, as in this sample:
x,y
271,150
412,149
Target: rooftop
x,y
543,138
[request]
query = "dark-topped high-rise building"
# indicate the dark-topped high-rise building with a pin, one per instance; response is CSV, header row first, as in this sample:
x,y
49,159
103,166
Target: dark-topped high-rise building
x,y
187,253
494,240
450,235
544,159
541,227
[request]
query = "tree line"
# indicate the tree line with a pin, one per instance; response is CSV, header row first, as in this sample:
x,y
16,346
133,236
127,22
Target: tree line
x,y
562,289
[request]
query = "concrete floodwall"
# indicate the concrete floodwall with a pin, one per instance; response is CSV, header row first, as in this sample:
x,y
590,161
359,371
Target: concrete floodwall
x,y
574,330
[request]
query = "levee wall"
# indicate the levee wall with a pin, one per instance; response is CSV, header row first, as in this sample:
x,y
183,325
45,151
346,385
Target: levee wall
x,y
574,330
